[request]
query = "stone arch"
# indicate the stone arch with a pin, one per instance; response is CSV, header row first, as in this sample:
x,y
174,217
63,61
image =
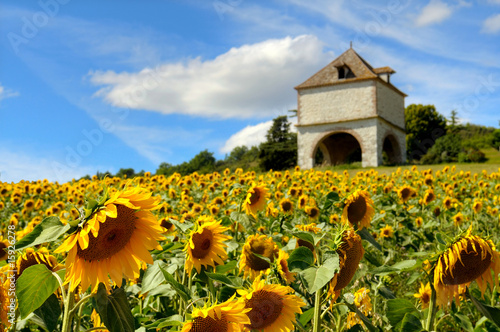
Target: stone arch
x,y
338,147
391,152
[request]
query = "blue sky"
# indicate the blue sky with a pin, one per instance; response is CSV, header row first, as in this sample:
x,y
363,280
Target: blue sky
x,y
89,86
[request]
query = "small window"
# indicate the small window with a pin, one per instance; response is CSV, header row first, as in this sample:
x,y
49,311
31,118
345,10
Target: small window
x,y
345,72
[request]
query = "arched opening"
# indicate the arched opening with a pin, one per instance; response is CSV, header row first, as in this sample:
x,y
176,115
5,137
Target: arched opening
x,y
391,154
337,149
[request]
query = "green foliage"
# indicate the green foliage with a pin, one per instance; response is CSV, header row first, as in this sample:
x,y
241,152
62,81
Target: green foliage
x,y
114,310
34,287
280,150
424,125
449,148
204,162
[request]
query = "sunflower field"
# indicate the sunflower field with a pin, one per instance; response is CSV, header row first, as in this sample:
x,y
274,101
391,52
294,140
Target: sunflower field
x,y
298,250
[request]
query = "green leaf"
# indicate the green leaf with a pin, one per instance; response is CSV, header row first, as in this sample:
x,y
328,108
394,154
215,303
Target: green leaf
x,y
365,235
153,276
316,278
34,287
304,236
226,267
183,227
114,310
49,312
490,312
300,259
439,238
222,278
174,320
397,309
331,198
171,246
306,317
47,231
411,323
178,287
464,321
398,267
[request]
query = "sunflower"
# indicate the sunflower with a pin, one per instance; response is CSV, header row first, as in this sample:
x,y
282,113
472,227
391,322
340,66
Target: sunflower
x,y
429,196
96,321
282,265
31,257
358,209
458,219
206,246
229,316
405,193
350,253
363,303
4,303
255,200
113,240
467,259
312,212
260,245
272,307
477,206
424,294
286,205
386,231
4,244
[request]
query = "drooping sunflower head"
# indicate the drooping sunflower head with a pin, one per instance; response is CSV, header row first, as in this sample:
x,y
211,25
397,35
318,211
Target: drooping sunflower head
x,y
230,316
31,257
206,246
405,193
429,196
252,264
467,259
282,265
350,252
114,239
358,209
256,199
272,307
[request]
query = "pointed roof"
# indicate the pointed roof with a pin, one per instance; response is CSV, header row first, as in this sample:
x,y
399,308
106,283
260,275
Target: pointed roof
x,y
329,75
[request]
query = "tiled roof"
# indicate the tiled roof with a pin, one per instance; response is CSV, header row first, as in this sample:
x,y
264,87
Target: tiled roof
x,y
361,69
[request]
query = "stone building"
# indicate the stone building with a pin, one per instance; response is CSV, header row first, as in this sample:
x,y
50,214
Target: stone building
x,y
349,111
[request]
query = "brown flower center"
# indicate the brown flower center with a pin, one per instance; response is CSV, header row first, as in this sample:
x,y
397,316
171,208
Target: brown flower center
x,y
351,251
202,243
286,206
263,249
266,308
114,235
356,210
254,198
3,252
471,267
405,194
209,324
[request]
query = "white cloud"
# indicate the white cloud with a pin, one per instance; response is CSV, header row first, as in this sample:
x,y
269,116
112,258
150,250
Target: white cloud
x,y
7,93
491,24
252,135
248,136
15,166
248,81
435,12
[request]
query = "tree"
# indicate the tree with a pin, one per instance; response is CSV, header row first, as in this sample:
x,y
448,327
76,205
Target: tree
x,y
280,149
424,125
126,172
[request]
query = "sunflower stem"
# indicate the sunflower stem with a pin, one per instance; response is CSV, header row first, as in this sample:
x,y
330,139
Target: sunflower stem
x,y
317,310
68,306
432,310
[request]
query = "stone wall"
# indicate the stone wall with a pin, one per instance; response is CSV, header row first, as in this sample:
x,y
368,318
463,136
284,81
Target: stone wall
x,y
390,104
335,103
365,132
